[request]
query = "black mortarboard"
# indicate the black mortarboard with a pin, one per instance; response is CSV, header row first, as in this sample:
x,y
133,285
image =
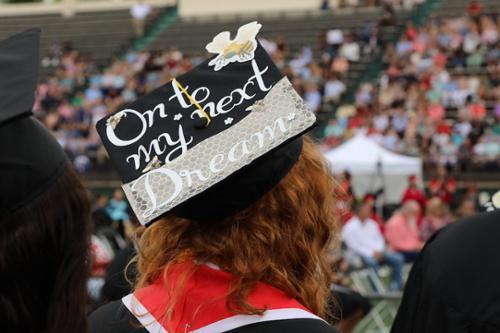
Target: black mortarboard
x,y
30,158
212,141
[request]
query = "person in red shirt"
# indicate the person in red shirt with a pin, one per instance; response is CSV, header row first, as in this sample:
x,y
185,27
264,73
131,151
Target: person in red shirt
x,y
369,200
474,8
411,32
402,233
477,111
443,188
414,193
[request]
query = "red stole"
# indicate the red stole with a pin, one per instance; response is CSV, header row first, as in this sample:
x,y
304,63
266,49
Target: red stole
x,y
201,308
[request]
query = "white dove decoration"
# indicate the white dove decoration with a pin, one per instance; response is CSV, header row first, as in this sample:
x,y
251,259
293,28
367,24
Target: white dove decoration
x,y
241,48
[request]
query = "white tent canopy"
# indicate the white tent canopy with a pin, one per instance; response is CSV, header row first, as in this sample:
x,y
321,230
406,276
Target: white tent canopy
x,y
373,167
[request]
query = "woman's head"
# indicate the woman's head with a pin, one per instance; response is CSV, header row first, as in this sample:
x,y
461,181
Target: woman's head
x,y
435,207
43,262
118,195
282,239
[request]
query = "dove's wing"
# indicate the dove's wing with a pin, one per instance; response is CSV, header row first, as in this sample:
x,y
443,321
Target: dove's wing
x,y
248,31
219,43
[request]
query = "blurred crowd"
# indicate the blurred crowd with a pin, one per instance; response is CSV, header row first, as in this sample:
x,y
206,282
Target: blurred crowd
x,y
112,247
79,93
438,98
373,237
379,235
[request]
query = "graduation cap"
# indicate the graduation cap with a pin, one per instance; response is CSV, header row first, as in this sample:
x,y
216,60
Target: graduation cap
x,y
30,158
212,141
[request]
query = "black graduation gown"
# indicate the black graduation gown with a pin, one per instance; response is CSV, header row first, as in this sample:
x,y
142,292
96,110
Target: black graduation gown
x,y
454,286
115,317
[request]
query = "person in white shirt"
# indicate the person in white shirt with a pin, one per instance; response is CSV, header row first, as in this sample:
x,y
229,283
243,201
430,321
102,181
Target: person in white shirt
x,y
334,88
334,37
350,49
362,235
139,13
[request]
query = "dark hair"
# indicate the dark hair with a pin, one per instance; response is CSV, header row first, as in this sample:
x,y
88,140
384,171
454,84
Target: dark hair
x,y
43,261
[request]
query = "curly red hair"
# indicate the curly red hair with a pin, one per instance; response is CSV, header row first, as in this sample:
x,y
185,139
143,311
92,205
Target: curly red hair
x,y
282,240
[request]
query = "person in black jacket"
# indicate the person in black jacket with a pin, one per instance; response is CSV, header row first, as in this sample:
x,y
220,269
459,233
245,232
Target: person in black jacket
x,y
44,209
454,285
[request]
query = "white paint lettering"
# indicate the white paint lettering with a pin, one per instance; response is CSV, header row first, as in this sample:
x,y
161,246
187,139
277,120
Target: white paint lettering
x,y
110,132
232,152
172,176
216,163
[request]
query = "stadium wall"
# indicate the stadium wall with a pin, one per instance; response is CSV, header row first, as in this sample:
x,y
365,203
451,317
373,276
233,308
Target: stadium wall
x,y
192,8
71,7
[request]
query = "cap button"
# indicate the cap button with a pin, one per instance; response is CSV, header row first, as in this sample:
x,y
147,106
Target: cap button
x,y
200,123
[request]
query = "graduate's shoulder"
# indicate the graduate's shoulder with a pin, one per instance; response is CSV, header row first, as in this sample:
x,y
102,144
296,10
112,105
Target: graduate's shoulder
x,y
114,317
287,325
468,236
460,267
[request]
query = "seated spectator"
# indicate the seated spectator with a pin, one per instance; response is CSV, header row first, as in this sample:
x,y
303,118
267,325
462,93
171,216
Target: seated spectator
x,y
442,186
340,65
312,97
466,209
101,254
334,88
117,210
436,217
334,37
100,215
350,49
401,231
362,236
474,8
388,14
414,193
370,200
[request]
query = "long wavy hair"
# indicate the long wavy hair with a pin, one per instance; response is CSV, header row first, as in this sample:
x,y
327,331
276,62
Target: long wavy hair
x,y
282,240
43,261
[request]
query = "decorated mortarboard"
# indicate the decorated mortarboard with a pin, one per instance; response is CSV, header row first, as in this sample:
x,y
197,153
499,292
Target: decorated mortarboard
x,y
30,158
212,141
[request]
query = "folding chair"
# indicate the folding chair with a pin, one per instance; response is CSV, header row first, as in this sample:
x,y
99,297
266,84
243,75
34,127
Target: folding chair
x,y
368,283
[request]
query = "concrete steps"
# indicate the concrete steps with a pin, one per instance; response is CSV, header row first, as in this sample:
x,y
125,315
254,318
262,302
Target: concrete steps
x,y
102,34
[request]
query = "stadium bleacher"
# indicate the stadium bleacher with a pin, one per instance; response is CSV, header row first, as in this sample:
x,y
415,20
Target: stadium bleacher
x,y
101,34
299,29
450,8
462,69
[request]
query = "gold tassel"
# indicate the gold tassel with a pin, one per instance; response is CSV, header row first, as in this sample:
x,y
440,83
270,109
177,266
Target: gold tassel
x,y
192,100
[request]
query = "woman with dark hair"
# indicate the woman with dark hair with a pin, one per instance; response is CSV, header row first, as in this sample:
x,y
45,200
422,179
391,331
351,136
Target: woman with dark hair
x,y
239,225
44,210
